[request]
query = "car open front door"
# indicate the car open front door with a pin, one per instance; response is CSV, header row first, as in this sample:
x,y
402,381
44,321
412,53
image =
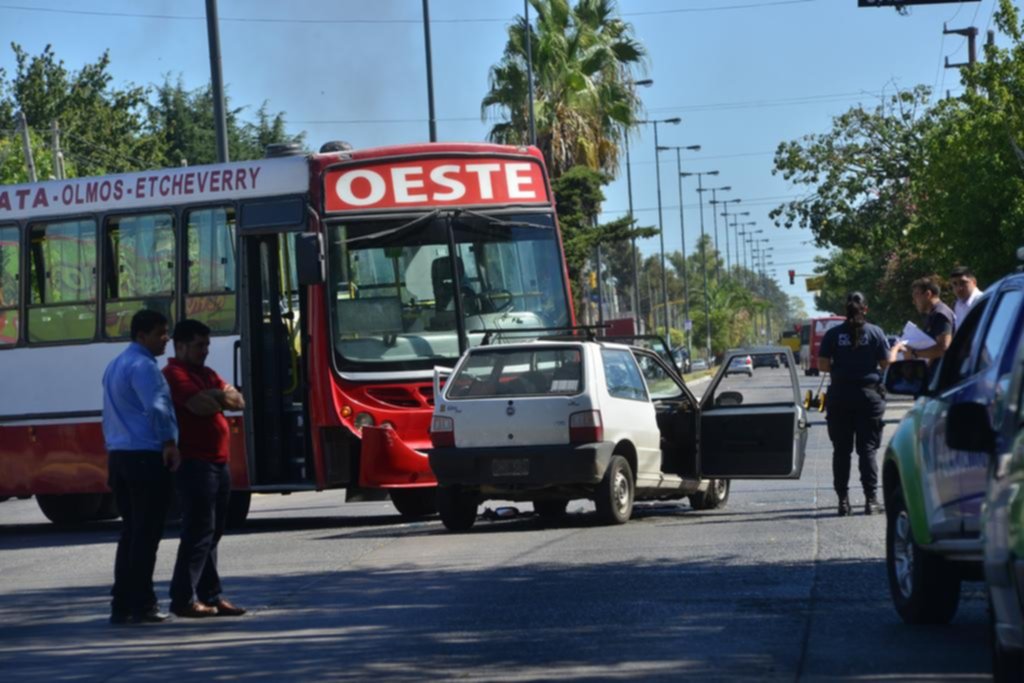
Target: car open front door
x,y
753,427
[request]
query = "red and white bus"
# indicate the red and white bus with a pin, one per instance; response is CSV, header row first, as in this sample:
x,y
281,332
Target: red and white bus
x,y
333,283
811,334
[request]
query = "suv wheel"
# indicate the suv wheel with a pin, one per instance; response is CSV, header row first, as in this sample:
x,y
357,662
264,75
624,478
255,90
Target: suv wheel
x,y
615,493
1006,664
715,497
457,507
925,588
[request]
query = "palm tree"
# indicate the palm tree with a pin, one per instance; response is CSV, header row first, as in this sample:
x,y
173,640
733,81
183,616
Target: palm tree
x,y
583,62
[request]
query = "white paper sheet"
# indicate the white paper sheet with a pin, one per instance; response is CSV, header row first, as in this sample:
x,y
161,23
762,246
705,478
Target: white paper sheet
x,y
915,338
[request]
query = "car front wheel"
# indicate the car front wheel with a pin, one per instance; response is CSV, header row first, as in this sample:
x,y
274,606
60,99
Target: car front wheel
x,y
615,493
457,507
925,588
715,497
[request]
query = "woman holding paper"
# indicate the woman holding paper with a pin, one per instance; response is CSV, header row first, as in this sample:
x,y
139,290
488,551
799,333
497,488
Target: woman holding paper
x,y
855,353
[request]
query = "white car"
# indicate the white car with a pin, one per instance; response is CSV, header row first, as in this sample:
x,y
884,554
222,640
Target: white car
x,y
551,421
742,364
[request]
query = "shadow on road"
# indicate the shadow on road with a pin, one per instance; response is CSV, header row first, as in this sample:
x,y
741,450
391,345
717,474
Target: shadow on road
x,y
603,621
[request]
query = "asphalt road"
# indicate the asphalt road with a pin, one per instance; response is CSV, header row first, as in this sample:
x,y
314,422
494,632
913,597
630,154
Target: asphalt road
x,y
773,586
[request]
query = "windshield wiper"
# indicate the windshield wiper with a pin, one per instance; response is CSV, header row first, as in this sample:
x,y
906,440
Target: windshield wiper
x,y
494,220
394,231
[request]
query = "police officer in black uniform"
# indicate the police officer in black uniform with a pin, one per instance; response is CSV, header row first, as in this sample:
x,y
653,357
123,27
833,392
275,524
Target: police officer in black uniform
x,y
855,353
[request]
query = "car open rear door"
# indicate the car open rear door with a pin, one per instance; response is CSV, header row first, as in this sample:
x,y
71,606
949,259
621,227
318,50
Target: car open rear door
x,y
753,427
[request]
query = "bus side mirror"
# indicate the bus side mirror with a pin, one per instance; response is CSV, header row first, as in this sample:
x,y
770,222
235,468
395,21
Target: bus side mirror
x,y
309,258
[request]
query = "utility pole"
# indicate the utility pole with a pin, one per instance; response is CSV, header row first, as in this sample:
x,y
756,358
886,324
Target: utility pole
x,y
971,32
217,81
58,156
430,71
30,163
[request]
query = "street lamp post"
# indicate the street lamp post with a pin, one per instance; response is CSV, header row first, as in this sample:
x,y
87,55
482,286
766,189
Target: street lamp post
x,y
714,217
736,234
661,221
725,213
629,190
703,256
682,230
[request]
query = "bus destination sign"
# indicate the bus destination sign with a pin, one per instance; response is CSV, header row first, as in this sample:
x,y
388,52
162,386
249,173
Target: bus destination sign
x,y
434,183
289,175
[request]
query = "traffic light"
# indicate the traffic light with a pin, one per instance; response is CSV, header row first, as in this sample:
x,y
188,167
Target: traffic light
x,y
593,279
792,277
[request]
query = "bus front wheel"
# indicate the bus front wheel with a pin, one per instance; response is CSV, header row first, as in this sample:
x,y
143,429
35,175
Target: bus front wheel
x,y
70,508
414,503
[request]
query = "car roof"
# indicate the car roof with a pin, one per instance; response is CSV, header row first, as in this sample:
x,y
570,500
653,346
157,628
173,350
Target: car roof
x,y
551,343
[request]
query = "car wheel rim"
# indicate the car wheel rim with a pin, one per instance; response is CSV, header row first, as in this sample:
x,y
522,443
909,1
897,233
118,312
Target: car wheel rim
x,y
721,488
620,493
903,554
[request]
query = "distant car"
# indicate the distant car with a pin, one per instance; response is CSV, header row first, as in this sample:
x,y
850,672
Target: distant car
x,y
765,360
740,365
698,364
551,421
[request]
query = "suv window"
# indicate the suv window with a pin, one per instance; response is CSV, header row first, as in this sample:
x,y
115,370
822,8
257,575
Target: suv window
x,y
998,332
518,372
622,375
956,365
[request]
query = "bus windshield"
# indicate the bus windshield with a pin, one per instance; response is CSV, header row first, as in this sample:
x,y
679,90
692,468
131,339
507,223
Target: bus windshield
x,y
392,290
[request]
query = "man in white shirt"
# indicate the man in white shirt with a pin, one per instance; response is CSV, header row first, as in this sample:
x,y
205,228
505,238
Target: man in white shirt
x,y
965,287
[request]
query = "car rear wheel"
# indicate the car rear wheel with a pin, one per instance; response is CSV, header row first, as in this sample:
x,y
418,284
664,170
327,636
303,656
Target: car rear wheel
x,y
615,493
550,509
715,497
414,503
457,507
925,588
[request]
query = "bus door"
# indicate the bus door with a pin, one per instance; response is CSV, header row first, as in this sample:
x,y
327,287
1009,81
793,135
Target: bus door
x,y
272,346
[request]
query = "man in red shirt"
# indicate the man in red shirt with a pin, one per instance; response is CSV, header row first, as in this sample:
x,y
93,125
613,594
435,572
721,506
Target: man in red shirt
x,y
203,481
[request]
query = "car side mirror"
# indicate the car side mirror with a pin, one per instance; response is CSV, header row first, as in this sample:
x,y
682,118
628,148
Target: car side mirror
x,y
309,259
968,428
907,378
729,398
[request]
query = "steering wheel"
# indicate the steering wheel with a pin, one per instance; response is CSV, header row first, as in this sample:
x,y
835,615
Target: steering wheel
x,y
488,299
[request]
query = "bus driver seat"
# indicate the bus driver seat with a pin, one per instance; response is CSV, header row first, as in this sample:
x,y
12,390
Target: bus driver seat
x,y
444,286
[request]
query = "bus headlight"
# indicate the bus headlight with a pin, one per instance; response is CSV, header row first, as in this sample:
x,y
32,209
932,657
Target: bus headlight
x,y
364,420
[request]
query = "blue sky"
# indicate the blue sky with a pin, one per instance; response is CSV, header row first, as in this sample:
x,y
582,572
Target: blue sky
x,y
743,74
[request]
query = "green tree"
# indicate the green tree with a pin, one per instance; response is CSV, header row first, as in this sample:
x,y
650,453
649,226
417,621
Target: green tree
x,y
578,199
583,59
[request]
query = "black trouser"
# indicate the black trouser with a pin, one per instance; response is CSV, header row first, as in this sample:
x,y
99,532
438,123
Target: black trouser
x,y
142,487
855,416
203,491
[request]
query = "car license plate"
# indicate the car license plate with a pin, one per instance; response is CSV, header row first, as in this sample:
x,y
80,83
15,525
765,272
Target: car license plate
x,y
510,467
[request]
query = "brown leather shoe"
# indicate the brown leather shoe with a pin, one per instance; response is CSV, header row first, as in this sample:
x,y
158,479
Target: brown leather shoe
x,y
196,610
226,609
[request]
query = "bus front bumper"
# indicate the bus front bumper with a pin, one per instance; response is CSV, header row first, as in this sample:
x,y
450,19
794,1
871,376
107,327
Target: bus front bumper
x,y
385,461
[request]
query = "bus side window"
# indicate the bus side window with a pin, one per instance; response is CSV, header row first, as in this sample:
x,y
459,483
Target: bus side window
x,y
62,281
210,280
10,284
138,269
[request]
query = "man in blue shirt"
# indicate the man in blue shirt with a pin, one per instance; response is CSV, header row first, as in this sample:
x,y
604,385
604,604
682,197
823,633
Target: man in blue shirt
x,y
141,435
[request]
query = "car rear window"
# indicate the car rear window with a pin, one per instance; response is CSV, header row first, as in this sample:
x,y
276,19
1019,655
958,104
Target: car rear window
x,y
519,372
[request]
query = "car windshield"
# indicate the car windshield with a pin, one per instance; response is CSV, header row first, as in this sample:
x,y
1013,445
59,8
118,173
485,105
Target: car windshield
x,y
392,289
543,371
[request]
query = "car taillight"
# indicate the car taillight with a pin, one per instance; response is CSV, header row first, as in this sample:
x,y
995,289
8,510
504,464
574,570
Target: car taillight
x,y
442,432
586,427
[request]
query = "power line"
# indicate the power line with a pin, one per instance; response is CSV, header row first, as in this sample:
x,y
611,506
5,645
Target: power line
x,y
359,22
